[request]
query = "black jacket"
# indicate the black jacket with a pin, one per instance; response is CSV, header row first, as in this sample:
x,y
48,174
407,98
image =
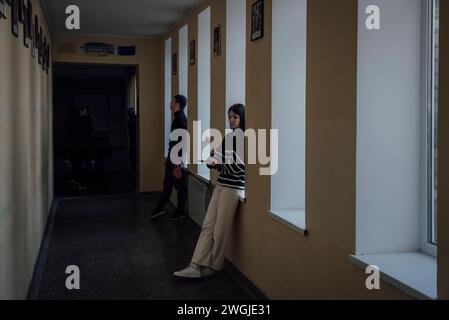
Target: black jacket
x,y
179,122
79,132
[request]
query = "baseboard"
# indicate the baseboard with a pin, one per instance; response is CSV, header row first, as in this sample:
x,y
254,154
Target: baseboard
x,y
33,290
148,194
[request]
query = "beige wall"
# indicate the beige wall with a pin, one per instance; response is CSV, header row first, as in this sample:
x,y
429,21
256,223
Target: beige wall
x,y
281,262
26,169
443,167
151,123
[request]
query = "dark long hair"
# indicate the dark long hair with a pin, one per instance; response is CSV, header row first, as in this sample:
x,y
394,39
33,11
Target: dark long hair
x,y
239,109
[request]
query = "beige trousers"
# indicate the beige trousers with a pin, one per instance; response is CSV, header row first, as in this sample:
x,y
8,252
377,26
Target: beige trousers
x,y
211,247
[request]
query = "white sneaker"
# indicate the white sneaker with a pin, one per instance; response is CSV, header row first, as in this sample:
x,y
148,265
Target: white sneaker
x,y
191,272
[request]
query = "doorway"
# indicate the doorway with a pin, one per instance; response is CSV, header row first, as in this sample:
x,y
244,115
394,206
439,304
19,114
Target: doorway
x,y
95,129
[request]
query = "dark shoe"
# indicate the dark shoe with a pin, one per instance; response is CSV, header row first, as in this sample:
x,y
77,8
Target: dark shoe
x,y
177,216
80,187
157,213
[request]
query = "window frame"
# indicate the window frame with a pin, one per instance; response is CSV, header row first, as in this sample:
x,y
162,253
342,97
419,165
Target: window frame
x,y
183,61
285,204
167,92
428,234
204,65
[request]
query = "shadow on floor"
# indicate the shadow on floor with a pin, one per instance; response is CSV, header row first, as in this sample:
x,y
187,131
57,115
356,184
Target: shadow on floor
x,y
122,255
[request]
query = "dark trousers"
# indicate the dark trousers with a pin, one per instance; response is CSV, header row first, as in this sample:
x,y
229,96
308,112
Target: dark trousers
x,y
78,157
180,185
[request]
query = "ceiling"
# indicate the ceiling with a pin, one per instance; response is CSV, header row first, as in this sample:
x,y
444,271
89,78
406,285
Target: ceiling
x,y
119,17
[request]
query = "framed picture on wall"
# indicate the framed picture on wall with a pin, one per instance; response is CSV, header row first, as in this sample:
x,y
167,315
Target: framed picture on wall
x,y
21,10
257,20
29,18
15,17
192,52
35,28
217,40
44,54
3,9
26,27
39,46
47,59
33,44
174,64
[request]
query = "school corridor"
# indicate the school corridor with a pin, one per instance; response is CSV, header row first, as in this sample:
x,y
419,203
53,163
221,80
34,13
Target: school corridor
x,y
338,108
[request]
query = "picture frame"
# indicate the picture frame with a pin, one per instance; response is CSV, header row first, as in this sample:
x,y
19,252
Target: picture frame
x,y
40,46
192,52
47,66
26,27
257,20
217,40
33,43
44,54
30,19
35,36
15,17
3,9
174,64
21,10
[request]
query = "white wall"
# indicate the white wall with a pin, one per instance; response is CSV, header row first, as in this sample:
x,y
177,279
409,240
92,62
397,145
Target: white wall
x,y
289,102
167,95
235,54
184,63
204,75
388,129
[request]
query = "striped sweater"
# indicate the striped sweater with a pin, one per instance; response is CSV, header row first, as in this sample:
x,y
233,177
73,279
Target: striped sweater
x,y
231,173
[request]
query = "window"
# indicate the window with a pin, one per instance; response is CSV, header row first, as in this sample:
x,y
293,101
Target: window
x,y
432,130
289,48
235,54
204,83
430,124
396,145
184,63
168,93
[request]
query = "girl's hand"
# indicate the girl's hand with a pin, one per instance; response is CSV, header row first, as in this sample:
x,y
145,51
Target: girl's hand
x,y
211,162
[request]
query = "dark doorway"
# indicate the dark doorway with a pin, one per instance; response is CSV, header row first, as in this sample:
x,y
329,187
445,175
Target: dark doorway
x,y
95,129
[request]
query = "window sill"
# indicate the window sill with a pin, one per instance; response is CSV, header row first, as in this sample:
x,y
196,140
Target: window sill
x,y
294,219
413,273
202,176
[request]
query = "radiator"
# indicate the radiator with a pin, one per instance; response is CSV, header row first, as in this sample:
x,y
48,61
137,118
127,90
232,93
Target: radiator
x,y
199,197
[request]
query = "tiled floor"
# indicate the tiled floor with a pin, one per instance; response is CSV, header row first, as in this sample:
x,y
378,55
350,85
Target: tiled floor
x,y
122,255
